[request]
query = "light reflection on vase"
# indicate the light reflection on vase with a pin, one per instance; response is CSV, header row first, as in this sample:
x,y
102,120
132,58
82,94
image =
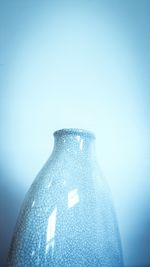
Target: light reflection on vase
x,y
67,218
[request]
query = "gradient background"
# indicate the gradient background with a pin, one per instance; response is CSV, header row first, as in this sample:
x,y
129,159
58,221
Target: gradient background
x,y
82,64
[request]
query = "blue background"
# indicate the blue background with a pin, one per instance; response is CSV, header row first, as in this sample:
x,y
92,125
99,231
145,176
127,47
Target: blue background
x,y
82,64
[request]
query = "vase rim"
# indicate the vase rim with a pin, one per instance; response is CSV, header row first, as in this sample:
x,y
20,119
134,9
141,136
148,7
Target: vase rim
x,y
75,131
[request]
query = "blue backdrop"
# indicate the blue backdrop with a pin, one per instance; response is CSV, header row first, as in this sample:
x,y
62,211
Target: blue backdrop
x,y
82,64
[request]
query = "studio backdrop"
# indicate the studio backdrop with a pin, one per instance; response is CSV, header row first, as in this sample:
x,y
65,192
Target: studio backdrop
x,y
81,64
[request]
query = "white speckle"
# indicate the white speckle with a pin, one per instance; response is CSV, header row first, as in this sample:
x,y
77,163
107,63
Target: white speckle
x,y
49,184
32,254
73,198
81,144
33,203
78,138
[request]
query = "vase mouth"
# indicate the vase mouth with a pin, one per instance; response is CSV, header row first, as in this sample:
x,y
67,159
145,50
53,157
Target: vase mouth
x,y
75,131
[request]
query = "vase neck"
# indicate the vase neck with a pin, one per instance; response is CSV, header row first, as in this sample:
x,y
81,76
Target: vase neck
x,y
74,141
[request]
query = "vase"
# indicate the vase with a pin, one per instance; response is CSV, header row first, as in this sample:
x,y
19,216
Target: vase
x,y
67,218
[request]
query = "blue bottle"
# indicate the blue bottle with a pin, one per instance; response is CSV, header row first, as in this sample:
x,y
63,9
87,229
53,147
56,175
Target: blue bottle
x,y
67,218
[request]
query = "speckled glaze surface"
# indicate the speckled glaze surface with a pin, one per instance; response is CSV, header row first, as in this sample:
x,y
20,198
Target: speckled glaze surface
x,y
67,218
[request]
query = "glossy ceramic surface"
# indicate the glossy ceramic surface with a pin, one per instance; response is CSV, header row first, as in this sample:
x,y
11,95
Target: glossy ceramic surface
x,y
67,218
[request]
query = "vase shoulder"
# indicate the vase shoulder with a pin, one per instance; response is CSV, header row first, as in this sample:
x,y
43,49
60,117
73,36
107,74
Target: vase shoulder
x,y
68,218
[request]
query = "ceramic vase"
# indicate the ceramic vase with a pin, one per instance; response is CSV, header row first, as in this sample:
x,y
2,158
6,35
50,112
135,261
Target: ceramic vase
x,y
67,218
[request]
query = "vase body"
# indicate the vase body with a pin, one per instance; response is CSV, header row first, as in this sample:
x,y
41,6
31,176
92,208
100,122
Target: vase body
x,y
67,218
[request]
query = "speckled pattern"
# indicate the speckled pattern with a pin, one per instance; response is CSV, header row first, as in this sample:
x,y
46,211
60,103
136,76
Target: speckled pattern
x,y
67,218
